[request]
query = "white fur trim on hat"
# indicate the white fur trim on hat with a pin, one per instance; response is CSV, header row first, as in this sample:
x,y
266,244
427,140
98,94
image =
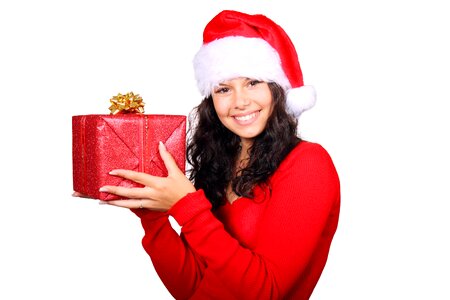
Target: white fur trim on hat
x,y
236,56
301,99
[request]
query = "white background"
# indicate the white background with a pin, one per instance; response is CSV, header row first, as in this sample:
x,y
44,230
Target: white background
x,y
381,70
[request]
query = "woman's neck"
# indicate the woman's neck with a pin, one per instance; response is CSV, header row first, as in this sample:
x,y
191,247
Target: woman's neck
x,y
246,144
241,162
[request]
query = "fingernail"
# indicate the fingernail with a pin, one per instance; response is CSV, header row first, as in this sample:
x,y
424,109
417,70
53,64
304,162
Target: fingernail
x,y
103,189
113,172
161,144
103,202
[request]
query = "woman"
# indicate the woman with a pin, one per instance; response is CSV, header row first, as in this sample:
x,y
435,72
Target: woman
x,y
261,207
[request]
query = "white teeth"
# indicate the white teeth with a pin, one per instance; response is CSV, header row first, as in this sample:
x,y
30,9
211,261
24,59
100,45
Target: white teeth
x,y
246,117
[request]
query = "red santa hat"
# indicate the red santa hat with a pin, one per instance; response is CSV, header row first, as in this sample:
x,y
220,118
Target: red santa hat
x,y
236,44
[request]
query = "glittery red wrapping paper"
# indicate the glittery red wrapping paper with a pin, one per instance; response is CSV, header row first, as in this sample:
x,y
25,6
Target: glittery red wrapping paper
x,y
101,143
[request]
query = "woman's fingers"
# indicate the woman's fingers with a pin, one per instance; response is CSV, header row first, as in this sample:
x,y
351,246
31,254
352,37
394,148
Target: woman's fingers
x,y
168,160
147,179
78,194
139,177
126,203
132,193
158,193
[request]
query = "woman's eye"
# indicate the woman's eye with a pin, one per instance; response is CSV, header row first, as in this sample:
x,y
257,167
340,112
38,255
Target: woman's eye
x,y
254,82
221,90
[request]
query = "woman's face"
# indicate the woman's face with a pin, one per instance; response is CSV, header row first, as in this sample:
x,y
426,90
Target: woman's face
x,y
243,105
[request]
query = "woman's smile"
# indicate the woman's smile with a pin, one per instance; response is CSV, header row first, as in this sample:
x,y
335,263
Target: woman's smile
x,y
246,118
243,105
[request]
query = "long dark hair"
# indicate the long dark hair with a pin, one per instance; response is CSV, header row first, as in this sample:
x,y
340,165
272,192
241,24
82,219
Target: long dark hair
x,y
212,150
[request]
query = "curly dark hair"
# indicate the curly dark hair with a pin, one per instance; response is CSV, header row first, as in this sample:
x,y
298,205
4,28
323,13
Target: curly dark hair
x,y
212,150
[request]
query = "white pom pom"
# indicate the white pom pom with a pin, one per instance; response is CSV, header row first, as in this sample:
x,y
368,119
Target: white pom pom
x,y
301,99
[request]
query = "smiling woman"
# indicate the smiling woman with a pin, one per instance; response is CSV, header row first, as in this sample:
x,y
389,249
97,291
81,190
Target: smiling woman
x,y
243,106
260,208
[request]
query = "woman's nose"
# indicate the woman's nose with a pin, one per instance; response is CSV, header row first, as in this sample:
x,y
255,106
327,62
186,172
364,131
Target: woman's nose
x,y
241,100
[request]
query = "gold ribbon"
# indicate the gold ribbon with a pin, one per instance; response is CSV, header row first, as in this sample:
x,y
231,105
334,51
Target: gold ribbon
x,y
128,103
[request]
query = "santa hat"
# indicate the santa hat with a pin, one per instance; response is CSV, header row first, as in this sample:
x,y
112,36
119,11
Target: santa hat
x,y
236,44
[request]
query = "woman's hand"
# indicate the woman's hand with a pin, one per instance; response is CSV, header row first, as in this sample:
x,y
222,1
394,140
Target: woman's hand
x,y
78,194
158,193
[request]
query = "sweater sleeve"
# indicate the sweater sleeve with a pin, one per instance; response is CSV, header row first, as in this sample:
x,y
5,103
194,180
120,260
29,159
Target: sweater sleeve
x,y
172,258
305,197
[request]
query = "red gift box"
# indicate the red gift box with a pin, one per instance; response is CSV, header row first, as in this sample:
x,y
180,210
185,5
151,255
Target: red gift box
x,y
101,143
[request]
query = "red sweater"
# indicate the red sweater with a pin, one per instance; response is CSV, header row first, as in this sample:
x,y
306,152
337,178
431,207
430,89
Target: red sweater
x,y
274,246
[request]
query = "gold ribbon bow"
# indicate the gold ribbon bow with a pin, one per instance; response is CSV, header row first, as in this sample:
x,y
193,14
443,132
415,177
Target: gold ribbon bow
x,y
128,103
